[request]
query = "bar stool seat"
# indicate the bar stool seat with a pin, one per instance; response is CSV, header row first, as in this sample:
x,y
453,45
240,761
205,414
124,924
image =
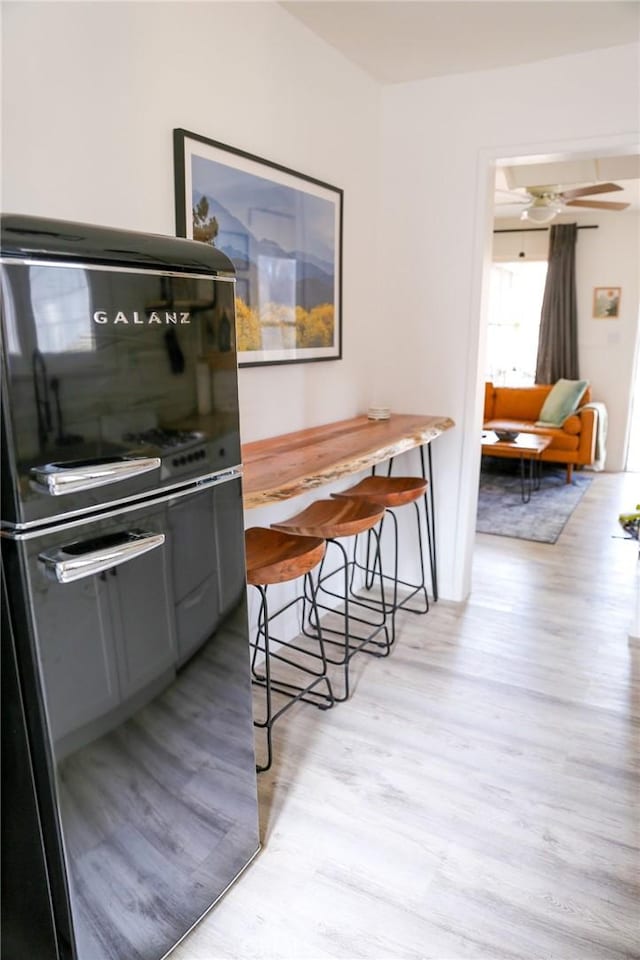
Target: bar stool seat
x,y
333,520
275,557
386,491
392,492
329,519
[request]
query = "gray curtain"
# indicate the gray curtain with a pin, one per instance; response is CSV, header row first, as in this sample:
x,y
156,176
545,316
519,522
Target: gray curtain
x,y
558,339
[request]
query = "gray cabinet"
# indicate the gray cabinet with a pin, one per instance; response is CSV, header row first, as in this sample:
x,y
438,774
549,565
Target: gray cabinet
x,y
194,559
142,612
229,540
207,556
77,653
107,641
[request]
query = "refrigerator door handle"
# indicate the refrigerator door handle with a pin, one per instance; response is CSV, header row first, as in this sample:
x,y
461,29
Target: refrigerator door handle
x,y
58,478
66,568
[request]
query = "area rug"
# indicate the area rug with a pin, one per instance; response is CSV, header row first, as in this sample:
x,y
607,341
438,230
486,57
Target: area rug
x,y
502,512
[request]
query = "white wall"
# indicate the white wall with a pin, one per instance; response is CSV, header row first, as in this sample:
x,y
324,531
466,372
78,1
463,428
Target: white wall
x,y
610,256
605,257
92,92
440,140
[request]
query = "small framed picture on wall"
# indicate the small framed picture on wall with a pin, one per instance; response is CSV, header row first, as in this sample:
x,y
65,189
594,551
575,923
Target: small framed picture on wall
x,y
606,303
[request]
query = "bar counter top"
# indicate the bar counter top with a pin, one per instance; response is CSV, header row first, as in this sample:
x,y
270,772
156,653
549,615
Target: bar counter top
x,y
282,467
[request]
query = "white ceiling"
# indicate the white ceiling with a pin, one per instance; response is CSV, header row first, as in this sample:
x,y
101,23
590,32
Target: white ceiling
x,y
400,40
403,40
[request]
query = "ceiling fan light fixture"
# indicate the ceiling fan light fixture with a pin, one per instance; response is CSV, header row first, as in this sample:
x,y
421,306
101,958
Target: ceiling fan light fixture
x,y
542,211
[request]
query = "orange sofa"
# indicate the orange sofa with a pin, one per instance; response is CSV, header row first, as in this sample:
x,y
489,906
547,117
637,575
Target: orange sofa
x,y
518,408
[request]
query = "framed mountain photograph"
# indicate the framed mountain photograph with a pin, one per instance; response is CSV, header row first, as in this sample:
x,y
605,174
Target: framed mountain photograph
x,y
283,232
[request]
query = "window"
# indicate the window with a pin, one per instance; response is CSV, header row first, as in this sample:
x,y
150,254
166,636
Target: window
x,y
60,303
515,302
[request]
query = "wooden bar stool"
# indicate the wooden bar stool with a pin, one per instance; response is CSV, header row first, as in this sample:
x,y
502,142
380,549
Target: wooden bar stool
x,y
392,492
333,520
276,557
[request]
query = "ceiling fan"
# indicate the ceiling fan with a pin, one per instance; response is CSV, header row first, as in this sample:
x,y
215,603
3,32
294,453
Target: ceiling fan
x,y
544,203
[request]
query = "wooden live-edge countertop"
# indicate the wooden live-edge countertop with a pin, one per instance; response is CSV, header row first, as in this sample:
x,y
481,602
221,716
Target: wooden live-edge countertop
x,y
286,466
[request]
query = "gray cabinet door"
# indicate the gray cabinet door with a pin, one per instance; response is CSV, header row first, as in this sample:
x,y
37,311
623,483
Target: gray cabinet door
x,y
192,546
142,608
76,649
194,558
229,539
106,636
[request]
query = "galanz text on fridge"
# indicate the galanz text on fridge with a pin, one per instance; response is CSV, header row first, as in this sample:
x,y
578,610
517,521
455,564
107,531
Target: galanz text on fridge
x,y
101,316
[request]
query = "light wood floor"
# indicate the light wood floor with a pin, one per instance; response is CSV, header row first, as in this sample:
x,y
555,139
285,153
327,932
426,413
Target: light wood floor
x,y
476,798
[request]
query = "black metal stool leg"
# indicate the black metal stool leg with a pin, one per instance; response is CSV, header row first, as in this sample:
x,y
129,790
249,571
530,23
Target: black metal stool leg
x,y
369,569
430,515
347,626
349,644
281,686
308,585
267,723
422,585
254,655
415,588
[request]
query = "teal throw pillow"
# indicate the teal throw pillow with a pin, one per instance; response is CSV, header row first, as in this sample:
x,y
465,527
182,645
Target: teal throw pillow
x,y
562,400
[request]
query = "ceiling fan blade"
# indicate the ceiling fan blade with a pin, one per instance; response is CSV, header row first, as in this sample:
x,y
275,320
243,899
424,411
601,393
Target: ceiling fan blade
x,y
597,204
589,191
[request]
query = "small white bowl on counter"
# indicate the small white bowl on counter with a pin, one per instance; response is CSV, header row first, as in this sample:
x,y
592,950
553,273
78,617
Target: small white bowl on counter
x,y
378,413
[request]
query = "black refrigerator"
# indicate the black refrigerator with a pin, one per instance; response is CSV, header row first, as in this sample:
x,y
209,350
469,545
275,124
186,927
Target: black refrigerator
x,y
128,778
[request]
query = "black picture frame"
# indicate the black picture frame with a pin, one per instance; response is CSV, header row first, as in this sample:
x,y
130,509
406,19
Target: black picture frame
x,y
283,232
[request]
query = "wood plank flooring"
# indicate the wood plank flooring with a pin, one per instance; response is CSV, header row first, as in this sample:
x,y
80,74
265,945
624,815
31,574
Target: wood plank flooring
x,y
160,813
477,797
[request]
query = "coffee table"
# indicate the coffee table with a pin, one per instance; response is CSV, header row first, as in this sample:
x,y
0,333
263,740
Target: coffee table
x,y
526,447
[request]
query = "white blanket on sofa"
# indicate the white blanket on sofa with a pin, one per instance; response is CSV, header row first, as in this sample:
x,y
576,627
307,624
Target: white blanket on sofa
x,y
601,435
